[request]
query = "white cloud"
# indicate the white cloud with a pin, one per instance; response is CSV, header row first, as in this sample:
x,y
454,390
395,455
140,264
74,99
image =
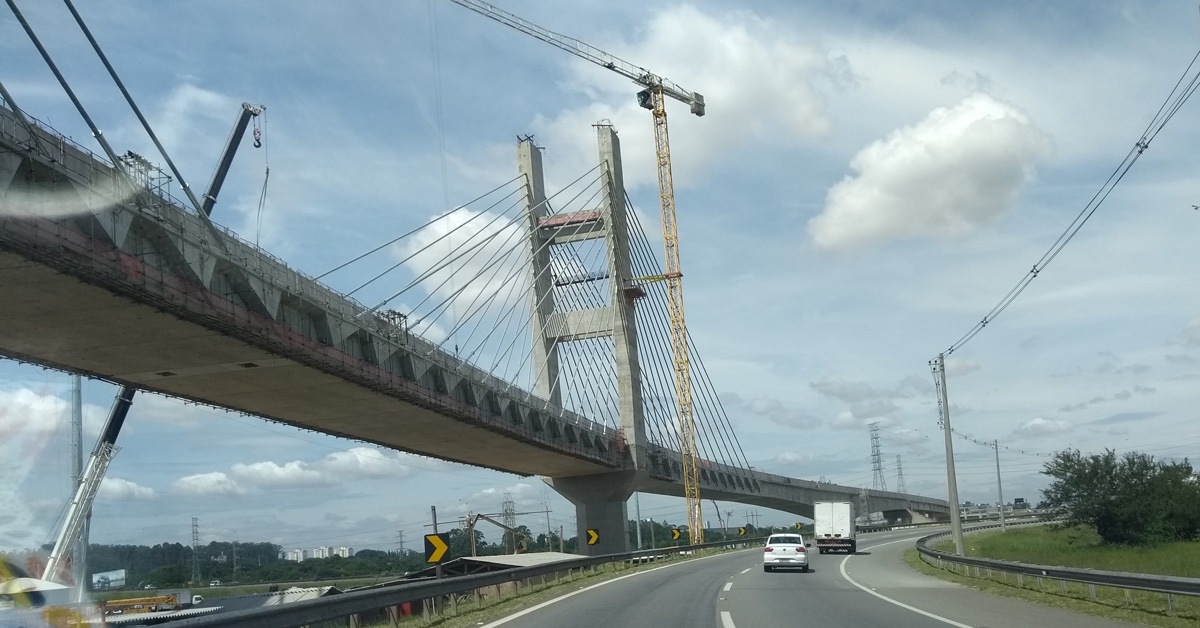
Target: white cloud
x,y
364,462
1191,333
465,257
288,475
1040,427
332,470
772,409
25,412
957,169
790,458
906,436
960,366
119,490
212,483
763,86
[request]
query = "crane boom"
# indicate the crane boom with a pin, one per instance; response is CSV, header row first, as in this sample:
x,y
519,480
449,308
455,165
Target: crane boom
x,y
653,97
587,52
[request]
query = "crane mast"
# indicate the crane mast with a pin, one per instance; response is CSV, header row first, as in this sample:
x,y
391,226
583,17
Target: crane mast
x,y
653,97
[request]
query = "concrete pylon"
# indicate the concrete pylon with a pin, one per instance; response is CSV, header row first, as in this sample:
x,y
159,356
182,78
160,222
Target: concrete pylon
x,y
600,500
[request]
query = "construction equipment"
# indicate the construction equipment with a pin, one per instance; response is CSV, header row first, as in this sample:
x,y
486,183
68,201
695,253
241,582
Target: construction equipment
x,y
652,97
235,136
93,474
89,485
522,543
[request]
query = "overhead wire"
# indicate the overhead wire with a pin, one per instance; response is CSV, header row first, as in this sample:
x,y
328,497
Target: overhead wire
x,y
728,447
1166,112
428,246
420,228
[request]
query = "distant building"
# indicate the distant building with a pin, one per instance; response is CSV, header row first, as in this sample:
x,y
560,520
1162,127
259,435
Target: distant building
x,y
297,555
322,552
344,552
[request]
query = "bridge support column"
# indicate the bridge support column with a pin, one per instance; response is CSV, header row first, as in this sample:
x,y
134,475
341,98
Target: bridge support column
x,y
601,504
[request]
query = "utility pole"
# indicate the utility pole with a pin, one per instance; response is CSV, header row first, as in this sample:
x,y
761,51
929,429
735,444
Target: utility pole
x,y
562,543
549,532
999,488
401,542
433,512
637,514
951,480
651,533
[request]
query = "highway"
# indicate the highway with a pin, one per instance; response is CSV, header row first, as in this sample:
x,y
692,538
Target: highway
x,y
731,590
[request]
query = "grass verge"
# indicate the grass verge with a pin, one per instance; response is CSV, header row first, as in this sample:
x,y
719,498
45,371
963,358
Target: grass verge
x,y
1131,606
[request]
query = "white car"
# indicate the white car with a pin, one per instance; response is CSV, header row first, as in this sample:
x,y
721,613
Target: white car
x,y
785,551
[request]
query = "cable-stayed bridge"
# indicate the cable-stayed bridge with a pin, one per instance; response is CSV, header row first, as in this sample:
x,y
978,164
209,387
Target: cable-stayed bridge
x,y
518,332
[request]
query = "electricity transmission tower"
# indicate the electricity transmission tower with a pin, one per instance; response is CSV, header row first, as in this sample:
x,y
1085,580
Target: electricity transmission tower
x,y
879,483
508,514
900,487
195,547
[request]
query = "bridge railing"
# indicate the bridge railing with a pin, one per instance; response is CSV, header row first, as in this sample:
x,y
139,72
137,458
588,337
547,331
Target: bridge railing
x,y
95,171
1025,575
446,594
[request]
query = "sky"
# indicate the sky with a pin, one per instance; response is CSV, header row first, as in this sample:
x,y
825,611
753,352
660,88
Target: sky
x,y
869,181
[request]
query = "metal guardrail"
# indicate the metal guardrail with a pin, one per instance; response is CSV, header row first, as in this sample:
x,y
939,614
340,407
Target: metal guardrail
x,y
355,602
1170,585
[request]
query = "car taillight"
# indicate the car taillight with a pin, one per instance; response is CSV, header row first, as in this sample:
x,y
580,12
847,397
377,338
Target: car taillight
x,y
800,550
769,549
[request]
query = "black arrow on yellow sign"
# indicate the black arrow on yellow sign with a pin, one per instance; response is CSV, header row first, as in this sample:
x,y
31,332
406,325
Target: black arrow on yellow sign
x,y
435,548
593,536
674,534
741,531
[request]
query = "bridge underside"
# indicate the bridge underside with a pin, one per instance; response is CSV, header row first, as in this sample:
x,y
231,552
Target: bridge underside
x,y
52,319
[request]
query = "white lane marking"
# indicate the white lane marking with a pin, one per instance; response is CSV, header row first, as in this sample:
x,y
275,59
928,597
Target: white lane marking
x,y
505,620
728,586
727,620
885,598
746,570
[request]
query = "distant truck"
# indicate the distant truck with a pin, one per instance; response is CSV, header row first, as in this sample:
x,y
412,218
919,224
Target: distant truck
x,y
151,604
833,526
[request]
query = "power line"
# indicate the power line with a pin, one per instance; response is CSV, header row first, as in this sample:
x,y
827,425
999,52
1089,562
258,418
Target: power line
x,y
1169,108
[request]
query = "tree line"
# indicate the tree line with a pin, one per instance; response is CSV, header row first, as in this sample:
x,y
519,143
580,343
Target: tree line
x,y
169,565
1131,499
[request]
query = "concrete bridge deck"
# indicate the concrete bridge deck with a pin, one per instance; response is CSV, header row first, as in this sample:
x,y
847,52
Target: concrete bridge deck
x,y
141,292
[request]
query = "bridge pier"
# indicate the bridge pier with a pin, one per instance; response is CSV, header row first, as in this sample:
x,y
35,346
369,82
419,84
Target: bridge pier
x,y
601,503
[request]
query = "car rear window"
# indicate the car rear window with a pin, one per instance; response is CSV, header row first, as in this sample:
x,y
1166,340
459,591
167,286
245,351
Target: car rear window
x,y
793,539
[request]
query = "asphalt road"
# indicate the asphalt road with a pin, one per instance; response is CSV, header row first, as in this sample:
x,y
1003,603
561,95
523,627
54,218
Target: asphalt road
x,y
872,588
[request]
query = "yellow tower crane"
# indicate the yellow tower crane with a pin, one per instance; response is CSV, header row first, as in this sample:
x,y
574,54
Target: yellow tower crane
x,y
652,97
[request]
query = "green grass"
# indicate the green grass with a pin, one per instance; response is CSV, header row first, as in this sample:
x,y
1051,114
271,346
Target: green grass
x,y
1080,547
1076,547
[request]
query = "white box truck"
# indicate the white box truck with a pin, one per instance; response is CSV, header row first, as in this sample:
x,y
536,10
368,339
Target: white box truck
x,y
833,526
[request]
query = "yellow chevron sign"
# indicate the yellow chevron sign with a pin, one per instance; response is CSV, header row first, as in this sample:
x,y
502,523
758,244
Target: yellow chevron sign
x,y
674,534
593,536
798,525
741,531
435,548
